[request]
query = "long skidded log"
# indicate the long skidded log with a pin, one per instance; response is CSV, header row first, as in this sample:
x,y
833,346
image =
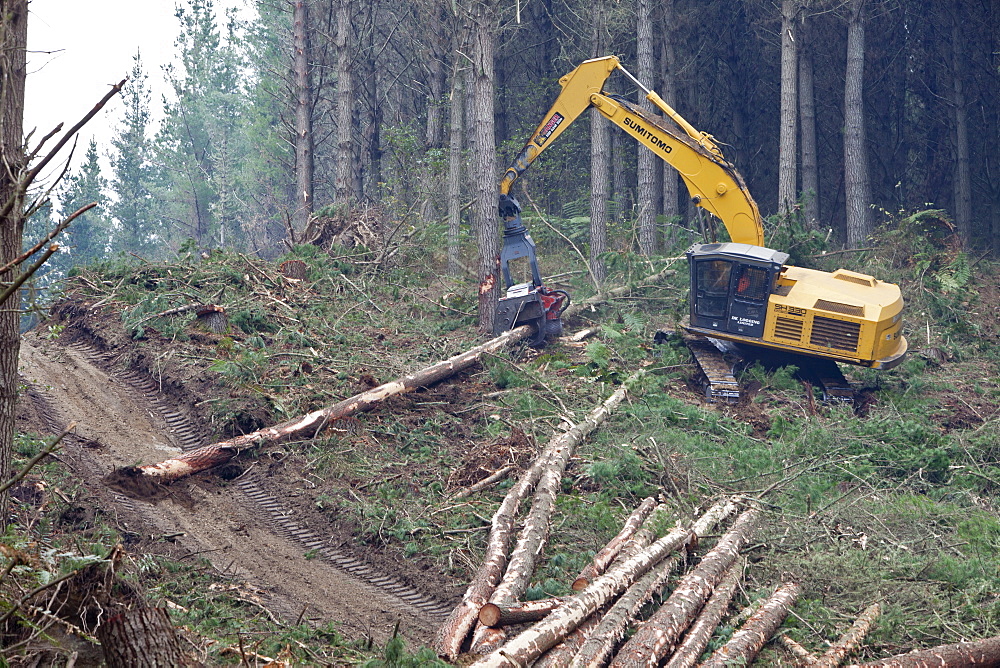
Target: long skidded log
x,y
980,654
599,646
746,643
848,642
535,532
531,644
698,636
608,553
492,614
306,426
655,640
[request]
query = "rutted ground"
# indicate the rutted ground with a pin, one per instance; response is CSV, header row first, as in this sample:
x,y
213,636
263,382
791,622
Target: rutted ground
x,y
118,426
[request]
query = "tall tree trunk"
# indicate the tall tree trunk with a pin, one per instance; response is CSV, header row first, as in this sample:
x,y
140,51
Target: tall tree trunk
x,y
484,208
668,64
963,177
456,131
303,116
600,154
856,185
645,161
13,41
343,180
807,119
787,153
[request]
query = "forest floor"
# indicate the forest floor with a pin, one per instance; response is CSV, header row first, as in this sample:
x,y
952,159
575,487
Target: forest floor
x,y
892,499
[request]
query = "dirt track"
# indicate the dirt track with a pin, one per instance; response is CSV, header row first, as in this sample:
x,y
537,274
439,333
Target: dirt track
x,y
120,426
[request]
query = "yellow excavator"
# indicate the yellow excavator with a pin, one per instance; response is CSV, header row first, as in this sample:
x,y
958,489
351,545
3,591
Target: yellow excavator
x,y
741,291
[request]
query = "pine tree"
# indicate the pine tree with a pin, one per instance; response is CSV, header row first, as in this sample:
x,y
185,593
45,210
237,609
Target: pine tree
x,y
138,228
89,235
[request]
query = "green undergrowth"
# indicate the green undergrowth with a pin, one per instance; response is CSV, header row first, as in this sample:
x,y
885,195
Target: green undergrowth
x,y
890,500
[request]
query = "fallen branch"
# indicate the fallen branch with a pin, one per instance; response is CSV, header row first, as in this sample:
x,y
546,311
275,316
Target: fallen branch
x,y
655,640
490,480
306,426
746,643
607,295
980,653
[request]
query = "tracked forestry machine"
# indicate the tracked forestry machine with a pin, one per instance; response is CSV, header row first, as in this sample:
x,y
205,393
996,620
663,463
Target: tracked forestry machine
x,y
743,295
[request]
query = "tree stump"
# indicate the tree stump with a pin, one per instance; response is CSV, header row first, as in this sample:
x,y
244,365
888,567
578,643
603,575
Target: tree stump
x,y
293,269
213,318
142,638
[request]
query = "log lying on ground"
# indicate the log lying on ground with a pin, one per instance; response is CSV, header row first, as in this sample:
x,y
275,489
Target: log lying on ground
x,y
851,638
700,634
746,643
980,654
608,295
492,614
599,646
533,536
528,646
607,554
656,639
201,459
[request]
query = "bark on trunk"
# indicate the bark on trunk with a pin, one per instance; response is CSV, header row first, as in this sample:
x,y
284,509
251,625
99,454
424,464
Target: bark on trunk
x,y
484,215
142,638
608,553
807,118
963,174
966,654
600,160
668,63
531,644
787,154
494,615
212,455
13,67
848,642
455,162
645,160
856,185
531,541
343,183
656,639
562,654
303,116
700,633
746,643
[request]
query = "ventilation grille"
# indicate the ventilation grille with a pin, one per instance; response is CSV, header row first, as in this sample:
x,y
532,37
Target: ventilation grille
x,y
839,334
788,328
851,277
837,307
781,290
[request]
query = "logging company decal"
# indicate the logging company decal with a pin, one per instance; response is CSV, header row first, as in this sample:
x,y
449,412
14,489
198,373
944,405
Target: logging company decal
x,y
549,128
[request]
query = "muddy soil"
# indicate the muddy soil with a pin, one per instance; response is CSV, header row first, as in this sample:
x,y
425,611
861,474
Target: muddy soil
x,y
119,426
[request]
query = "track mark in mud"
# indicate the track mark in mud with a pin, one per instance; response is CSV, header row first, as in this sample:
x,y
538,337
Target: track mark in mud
x,y
432,611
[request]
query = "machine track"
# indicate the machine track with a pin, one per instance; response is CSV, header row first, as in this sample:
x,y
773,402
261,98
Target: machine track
x,y
398,599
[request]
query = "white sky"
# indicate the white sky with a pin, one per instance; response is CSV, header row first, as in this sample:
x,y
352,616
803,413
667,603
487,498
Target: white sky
x,y
77,49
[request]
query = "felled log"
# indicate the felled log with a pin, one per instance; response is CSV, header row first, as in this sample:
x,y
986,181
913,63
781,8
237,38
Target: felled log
x,y
545,634
599,646
533,536
614,293
562,654
656,639
607,554
980,654
452,633
746,643
851,638
804,656
201,459
142,638
492,614
700,634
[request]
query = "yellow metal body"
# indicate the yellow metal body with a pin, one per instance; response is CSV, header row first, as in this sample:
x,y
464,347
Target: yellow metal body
x,y
844,316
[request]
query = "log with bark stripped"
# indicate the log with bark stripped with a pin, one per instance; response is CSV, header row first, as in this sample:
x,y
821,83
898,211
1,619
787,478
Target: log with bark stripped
x,y
700,634
656,639
201,459
848,642
978,654
746,643
492,614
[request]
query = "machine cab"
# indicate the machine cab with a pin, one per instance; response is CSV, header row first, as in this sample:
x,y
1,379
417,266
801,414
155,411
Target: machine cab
x,y
730,285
